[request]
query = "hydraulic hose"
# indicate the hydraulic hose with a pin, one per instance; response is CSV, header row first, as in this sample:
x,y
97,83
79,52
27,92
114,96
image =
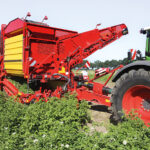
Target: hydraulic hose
x,y
61,76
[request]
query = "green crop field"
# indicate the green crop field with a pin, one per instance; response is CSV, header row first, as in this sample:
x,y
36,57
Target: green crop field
x,y
59,125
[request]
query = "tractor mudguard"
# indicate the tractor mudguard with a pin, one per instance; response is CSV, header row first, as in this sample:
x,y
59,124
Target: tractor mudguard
x,y
135,65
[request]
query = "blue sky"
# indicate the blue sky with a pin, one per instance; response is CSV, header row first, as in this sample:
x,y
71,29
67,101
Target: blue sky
x,y
83,15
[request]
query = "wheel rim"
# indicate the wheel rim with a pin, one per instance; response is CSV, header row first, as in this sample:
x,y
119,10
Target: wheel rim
x,y
137,99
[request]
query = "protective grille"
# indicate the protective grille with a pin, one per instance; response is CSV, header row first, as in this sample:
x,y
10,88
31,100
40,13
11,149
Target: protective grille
x,y
44,48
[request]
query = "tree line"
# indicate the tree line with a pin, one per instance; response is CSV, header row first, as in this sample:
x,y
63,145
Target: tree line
x,y
108,63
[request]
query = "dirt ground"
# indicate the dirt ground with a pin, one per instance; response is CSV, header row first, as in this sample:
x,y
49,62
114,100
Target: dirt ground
x,y
100,116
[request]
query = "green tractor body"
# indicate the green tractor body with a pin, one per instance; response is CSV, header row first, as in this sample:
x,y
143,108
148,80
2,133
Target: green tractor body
x,y
147,49
132,89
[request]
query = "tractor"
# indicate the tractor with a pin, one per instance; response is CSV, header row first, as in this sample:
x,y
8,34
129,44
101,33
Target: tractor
x,y
132,88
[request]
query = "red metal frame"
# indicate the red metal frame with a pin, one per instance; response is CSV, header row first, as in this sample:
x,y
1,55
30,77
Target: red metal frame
x,y
51,53
96,94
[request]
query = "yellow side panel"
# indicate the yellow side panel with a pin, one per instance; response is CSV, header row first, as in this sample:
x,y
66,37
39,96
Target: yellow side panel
x,y
14,39
14,51
13,45
13,65
15,72
13,56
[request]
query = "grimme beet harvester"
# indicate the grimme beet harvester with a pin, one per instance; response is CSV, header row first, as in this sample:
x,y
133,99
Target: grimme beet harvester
x,y
44,56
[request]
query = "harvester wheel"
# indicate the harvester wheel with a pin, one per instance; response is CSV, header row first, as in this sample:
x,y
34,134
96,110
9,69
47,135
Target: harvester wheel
x,y
132,93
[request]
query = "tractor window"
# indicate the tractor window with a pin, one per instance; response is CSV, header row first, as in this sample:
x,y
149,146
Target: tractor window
x,y
148,39
148,45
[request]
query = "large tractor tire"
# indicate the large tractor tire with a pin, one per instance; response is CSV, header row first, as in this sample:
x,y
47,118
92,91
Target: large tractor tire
x,y
132,93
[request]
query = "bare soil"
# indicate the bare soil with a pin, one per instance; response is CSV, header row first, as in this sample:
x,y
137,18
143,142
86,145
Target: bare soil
x,y
100,116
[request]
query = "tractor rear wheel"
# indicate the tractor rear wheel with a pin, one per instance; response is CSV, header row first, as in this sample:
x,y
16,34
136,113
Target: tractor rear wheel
x,y
132,93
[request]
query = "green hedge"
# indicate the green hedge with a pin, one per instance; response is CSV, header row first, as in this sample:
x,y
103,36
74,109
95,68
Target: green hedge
x,y
58,124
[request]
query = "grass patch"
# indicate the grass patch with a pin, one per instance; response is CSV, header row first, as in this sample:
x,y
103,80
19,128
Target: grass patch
x,y
91,74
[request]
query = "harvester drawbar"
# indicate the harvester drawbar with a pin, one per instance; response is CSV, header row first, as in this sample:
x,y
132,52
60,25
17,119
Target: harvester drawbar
x,y
45,56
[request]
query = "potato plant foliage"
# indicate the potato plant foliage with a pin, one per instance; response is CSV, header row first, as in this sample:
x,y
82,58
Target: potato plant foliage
x,y
58,124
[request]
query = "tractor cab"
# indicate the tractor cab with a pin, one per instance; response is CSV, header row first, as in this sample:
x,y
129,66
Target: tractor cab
x,y
134,55
147,32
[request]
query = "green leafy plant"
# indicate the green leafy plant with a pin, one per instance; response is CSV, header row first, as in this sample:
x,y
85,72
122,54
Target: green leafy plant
x,y
59,125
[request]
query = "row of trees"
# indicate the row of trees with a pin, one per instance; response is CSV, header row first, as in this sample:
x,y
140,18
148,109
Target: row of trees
x,y
108,63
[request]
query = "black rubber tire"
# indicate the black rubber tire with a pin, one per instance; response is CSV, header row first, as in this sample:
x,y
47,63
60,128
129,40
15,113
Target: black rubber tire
x,y
126,81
